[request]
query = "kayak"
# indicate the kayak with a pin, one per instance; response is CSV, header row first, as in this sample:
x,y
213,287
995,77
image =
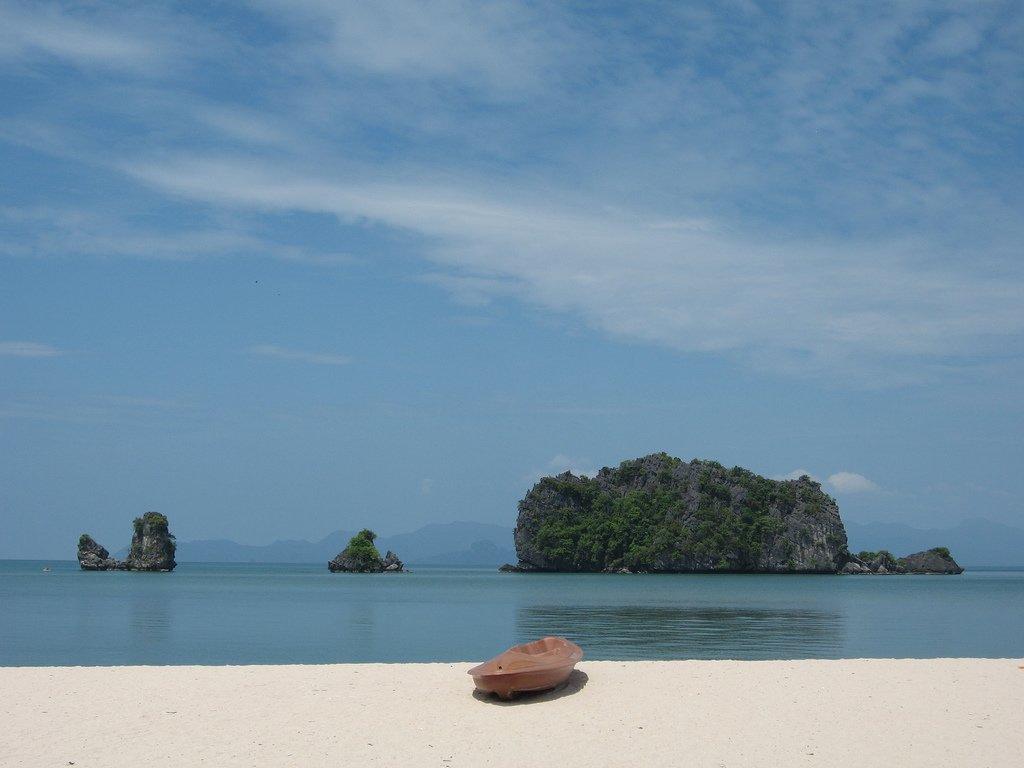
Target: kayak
x,y
537,666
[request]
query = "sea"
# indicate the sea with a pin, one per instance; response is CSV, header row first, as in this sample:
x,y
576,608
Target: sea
x,y
302,614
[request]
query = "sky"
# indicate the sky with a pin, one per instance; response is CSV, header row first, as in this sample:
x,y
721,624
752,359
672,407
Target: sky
x,y
280,268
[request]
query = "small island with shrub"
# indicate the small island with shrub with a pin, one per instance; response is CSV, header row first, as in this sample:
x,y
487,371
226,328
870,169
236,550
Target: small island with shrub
x,y
362,556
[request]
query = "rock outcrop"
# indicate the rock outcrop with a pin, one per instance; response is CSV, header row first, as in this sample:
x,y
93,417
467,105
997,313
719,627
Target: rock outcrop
x,y
514,568
883,563
854,566
661,514
94,557
152,548
361,556
153,545
391,563
937,560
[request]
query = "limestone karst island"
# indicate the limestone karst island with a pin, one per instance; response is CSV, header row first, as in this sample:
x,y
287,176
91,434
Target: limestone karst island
x,y
660,514
654,514
152,548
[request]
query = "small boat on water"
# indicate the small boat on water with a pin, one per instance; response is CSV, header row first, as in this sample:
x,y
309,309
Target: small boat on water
x,y
537,666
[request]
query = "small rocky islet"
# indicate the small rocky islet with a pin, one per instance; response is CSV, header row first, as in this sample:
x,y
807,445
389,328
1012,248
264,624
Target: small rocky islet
x,y
660,514
152,548
361,556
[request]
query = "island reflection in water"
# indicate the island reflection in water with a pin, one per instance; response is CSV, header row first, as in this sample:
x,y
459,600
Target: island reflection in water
x,y
301,614
645,632
149,620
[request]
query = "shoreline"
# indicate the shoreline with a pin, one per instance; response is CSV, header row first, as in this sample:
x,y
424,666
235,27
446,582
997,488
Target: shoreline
x,y
467,664
914,712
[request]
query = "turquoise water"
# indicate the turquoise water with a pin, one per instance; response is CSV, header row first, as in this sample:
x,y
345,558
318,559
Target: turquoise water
x,y
275,614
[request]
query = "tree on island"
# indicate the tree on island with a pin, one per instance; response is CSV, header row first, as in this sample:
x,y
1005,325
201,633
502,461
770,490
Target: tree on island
x,y
362,556
363,551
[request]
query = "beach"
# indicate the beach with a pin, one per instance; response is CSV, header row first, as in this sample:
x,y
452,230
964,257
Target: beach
x,y
660,713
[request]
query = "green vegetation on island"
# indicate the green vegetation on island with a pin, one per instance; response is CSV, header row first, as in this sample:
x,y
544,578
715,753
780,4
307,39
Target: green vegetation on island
x,y
155,520
362,550
362,556
152,548
153,545
881,557
659,513
934,560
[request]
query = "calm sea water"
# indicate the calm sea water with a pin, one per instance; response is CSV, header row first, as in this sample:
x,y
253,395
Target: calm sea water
x,y
275,614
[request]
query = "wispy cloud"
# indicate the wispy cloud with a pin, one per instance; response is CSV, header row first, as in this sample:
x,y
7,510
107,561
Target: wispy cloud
x,y
245,126
788,306
298,355
50,232
472,291
832,193
102,409
127,39
27,349
498,48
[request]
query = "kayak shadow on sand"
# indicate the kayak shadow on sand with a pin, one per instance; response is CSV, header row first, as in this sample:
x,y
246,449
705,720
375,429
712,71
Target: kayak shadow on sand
x,y
576,682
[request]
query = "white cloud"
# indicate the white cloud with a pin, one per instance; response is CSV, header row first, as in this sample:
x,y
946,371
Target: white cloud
x,y
472,291
298,355
124,40
851,482
795,307
495,47
27,349
955,37
562,463
796,474
60,232
838,482
799,207
101,409
245,126
558,464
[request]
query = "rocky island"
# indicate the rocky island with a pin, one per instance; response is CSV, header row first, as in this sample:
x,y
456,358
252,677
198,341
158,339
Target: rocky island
x,y
94,557
936,560
660,514
361,556
152,548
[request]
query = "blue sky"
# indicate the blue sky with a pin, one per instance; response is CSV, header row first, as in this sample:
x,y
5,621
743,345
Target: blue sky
x,y
280,268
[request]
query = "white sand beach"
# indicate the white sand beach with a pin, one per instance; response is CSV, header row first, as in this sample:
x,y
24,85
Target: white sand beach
x,y
967,712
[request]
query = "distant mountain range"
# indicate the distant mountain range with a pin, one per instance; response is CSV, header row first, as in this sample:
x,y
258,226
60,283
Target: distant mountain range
x,y
459,543
973,542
